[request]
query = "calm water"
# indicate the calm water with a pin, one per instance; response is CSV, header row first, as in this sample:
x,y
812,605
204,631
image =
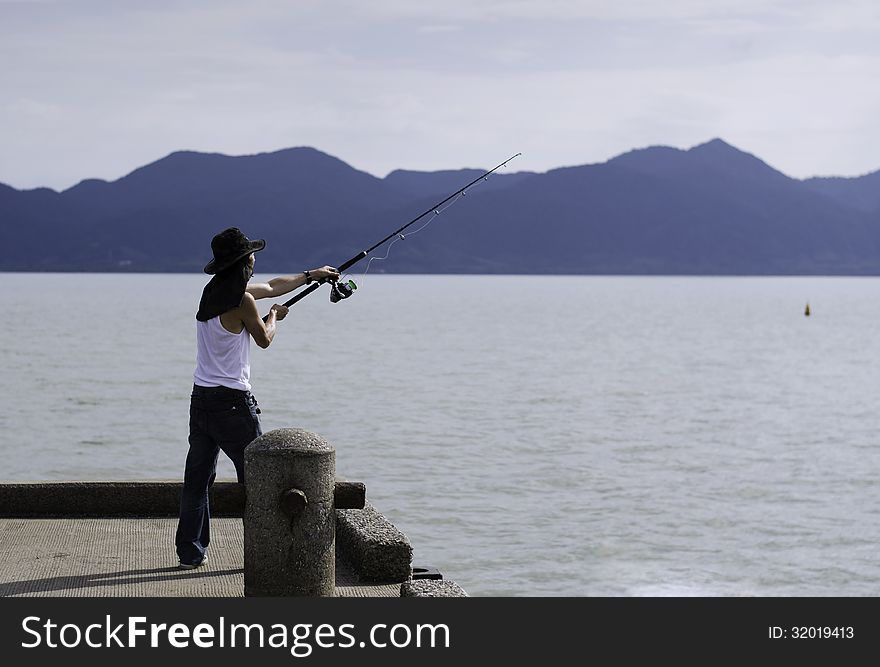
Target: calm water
x,y
531,435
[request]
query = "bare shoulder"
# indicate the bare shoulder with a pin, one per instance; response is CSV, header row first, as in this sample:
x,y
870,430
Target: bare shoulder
x,y
235,320
247,310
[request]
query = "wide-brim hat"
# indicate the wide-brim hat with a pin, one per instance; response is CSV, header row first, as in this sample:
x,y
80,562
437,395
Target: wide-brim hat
x,y
229,246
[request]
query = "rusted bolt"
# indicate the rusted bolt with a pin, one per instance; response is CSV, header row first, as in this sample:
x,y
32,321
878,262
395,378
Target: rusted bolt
x,y
293,502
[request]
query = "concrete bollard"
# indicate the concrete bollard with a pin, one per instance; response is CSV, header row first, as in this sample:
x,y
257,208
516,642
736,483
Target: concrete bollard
x,y
289,516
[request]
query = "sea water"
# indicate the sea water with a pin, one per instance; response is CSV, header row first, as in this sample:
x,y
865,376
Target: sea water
x,y
532,435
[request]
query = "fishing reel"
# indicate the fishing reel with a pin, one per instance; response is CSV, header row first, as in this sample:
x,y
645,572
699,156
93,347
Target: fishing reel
x,y
340,291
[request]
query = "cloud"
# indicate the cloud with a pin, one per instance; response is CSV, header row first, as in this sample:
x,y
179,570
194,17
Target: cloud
x,y
96,88
434,29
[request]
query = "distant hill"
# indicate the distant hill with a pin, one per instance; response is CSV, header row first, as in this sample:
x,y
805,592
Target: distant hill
x,y
712,209
862,193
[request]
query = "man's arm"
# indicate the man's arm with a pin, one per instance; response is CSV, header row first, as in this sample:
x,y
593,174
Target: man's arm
x,y
262,332
284,284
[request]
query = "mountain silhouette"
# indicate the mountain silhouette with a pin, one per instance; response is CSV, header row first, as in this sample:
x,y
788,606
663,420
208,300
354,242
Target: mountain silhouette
x,y
862,193
711,209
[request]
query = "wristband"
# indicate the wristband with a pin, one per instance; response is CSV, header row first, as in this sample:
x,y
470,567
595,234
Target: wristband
x,y
308,276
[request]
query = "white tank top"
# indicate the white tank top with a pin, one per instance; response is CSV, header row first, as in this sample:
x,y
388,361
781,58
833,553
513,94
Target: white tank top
x,y
222,357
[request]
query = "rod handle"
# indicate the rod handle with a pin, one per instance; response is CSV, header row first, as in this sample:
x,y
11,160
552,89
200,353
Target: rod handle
x,y
300,295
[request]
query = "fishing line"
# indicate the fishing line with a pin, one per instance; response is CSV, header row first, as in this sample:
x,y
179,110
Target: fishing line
x,y
403,237
437,212
339,291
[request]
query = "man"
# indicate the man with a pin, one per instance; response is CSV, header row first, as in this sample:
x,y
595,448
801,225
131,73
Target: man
x,y
223,413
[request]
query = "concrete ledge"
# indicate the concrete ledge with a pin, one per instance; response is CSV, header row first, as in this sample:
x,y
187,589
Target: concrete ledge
x,y
431,588
109,499
25,500
349,495
374,547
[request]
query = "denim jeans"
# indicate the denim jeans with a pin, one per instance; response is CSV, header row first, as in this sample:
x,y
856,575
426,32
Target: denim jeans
x,y
219,418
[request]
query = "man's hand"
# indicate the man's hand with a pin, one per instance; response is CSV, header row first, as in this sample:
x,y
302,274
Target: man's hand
x,y
325,272
279,310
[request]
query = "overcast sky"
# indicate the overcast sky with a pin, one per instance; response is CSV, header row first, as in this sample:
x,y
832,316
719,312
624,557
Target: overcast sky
x,y
96,88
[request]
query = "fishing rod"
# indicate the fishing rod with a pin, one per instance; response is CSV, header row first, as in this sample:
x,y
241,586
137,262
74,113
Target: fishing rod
x,y
345,290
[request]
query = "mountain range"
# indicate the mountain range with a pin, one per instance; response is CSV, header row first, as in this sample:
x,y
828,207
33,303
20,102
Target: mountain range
x,y
711,209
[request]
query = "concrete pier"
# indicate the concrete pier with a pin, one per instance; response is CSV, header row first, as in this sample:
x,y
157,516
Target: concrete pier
x,y
73,539
117,538
127,557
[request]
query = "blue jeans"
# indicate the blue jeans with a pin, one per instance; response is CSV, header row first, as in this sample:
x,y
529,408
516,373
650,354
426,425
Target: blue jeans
x,y
219,418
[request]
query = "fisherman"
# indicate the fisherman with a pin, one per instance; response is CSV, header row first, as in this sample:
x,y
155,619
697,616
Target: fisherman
x,y
223,413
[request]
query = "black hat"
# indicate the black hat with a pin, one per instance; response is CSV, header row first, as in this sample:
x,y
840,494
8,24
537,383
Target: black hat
x,y
229,246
